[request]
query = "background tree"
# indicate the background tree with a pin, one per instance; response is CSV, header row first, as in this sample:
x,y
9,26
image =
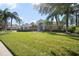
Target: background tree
x,y
57,9
33,26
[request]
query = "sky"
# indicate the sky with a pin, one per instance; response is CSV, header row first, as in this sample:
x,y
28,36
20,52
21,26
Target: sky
x,y
26,11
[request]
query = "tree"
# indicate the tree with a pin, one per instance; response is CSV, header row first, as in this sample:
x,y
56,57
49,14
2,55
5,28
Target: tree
x,y
76,11
33,26
56,16
53,10
16,17
6,15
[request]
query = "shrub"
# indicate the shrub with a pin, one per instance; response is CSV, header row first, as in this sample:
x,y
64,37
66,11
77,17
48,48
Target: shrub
x,y
77,30
72,29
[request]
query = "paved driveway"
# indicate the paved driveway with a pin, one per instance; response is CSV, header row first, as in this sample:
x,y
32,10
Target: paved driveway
x,y
4,51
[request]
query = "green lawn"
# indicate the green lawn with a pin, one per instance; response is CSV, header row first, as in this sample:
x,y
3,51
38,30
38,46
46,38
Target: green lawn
x,y
41,43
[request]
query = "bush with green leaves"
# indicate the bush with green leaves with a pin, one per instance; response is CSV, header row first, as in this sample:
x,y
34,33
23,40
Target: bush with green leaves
x,y
72,29
77,30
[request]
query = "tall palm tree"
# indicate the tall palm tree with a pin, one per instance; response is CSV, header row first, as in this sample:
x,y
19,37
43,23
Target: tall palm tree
x,y
5,17
50,9
66,9
59,8
14,16
76,11
1,16
56,16
6,14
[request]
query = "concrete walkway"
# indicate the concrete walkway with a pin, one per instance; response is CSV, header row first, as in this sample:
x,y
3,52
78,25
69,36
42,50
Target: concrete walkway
x,y
4,51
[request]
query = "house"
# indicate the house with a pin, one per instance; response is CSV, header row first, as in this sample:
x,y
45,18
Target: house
x,y
13,27
40,25
25,26
0,26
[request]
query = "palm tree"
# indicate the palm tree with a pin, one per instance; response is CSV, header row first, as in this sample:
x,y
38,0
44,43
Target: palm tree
x,y
1,16
59,8
66,9
6,14
52,11
5,18
15,16
76,11
56,16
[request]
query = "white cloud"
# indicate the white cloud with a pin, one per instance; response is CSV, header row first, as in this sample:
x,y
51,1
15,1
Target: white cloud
x,y
21,17
11,5
36,3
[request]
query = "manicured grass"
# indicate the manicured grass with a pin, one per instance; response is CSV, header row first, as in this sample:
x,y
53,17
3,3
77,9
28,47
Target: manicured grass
x,y
41,43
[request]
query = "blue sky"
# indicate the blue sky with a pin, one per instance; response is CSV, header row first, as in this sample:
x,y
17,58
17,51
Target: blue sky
x,y
25,10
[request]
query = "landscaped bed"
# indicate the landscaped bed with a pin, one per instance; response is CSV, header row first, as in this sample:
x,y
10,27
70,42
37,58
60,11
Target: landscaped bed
x,y
41,43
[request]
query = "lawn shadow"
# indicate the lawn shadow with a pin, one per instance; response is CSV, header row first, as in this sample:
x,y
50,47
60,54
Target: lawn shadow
x,y
4,33
53,53
69,35
71,52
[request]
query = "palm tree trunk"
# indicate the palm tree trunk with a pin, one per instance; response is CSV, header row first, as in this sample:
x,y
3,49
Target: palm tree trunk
x,y
5,25
57,21
67,15
76,18
11,24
